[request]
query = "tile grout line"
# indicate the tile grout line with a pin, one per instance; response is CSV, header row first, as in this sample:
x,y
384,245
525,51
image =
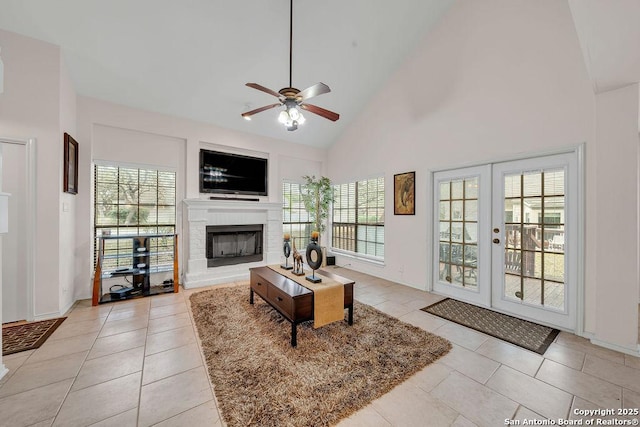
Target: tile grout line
x,y
79,369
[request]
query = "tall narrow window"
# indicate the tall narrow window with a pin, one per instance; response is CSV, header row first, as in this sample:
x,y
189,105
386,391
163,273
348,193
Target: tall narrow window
x,y
295,218
458,222
358,217
535,229
131,201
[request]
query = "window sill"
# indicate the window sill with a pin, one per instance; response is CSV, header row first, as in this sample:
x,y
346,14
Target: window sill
x,y
360,257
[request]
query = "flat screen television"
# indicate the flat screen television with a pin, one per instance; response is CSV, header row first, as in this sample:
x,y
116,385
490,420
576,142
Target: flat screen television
x,y
227,173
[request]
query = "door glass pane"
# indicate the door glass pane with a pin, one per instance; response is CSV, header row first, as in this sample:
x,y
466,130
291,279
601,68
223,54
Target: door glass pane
x,y
471,232
534,210
444,210
457,188
471,188
532,184
512,186
456,232
444,191
554,182
471,210
445,231
456,210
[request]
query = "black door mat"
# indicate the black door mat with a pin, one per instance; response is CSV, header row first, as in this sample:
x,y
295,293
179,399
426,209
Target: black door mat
x,y
28,335
522,333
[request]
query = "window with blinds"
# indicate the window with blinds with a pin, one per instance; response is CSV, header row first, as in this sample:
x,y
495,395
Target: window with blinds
x,y
358,217
132,201
295,218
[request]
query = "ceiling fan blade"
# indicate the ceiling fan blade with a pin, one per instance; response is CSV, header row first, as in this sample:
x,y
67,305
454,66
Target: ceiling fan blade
x,y
248,114
315,90
264,89
321,112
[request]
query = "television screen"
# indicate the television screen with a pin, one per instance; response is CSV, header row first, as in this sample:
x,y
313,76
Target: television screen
x,y
232,173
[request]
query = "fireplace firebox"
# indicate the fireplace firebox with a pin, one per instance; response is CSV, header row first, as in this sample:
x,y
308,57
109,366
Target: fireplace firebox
x,y
233,244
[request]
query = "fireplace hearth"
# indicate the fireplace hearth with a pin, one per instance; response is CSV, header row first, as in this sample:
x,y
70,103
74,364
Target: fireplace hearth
x,y
233,244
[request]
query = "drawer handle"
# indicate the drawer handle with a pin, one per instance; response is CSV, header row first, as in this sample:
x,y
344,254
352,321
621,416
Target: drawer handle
x,y
279,298
259,284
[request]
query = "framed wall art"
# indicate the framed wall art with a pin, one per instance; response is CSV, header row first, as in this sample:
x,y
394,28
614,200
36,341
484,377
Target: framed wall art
x,y
70,184
404,193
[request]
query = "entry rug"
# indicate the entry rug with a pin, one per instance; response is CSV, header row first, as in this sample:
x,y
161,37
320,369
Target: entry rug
x,y
27,336
522,333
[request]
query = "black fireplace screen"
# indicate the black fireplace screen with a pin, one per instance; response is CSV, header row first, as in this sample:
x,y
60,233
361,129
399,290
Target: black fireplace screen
x,y
233,244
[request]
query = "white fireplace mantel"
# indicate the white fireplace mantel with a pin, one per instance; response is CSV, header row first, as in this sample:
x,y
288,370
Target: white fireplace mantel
x,y
198,213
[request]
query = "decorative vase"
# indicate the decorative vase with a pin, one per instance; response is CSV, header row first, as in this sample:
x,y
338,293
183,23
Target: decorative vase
x,y
314,258
286,249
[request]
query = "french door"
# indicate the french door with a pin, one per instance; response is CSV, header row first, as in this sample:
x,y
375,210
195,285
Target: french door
x,y
512,244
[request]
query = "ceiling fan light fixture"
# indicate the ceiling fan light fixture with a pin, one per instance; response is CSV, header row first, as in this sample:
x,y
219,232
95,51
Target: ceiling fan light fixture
x,y
291,116
294,113
293,126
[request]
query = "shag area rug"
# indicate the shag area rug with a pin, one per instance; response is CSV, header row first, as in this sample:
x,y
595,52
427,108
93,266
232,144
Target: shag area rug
x,y
522,333
260,380
27,336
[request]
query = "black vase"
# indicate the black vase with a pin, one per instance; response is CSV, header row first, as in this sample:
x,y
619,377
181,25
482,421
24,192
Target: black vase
x,y
286,249
314,259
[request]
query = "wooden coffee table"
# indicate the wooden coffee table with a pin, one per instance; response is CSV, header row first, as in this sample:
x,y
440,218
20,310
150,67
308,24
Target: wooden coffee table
x,y
292,300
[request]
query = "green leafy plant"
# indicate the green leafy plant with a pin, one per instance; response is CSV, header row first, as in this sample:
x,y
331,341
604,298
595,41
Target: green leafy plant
x,y
317,195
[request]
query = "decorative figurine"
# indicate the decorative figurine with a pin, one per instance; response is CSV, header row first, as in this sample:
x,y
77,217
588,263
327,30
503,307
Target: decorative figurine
x,y
314,257
297,261
286,248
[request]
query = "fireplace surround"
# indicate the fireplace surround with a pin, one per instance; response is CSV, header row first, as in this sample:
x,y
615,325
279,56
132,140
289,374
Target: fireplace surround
x,y
232,215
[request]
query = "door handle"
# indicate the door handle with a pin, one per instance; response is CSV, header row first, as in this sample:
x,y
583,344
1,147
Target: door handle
x,y
496,241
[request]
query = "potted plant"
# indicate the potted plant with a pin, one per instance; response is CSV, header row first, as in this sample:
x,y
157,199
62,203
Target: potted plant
x,y
317,194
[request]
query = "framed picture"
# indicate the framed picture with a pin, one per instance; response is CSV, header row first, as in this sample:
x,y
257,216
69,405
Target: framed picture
x,y
404,193
70,164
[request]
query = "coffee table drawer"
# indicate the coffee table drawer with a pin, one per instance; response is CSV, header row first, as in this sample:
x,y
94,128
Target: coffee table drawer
x,y
281,300
259,285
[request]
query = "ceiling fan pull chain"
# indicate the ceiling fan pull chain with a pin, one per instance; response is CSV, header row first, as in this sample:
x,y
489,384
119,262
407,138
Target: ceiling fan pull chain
x,y
290,43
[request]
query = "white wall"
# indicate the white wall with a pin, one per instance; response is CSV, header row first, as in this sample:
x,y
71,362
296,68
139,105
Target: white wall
x,y
67,204
615,239
110,132
496,79
30,107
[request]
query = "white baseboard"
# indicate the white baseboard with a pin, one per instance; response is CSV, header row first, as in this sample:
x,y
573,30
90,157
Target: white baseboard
x,y
67,308
193,281
3,370
626,350
45,316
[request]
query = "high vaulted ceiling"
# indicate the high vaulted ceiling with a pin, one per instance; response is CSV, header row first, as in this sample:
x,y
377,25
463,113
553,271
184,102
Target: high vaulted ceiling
x,y
192,58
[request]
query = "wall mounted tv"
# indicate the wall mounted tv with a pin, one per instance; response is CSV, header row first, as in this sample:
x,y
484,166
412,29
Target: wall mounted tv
x,y
227,173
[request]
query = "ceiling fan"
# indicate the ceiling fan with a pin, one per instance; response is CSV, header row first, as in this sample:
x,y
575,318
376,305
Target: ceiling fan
x,y
291,98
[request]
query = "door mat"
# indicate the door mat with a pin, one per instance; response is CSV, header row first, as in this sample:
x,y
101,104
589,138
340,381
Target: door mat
x,y
27,336
522,333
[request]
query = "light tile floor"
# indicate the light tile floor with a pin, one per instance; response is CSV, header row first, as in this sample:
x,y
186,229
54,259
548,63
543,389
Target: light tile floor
x,y
138,363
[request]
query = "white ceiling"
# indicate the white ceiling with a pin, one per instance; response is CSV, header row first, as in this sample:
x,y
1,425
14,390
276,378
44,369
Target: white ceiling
x,y
191,58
